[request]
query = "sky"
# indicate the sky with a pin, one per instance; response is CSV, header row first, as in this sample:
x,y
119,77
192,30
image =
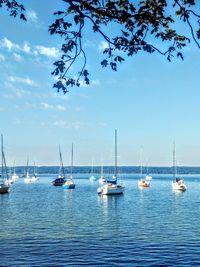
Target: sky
x,y
151,102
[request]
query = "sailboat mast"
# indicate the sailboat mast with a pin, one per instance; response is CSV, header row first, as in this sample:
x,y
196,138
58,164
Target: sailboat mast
x,y
61,162
72,159
116,154
3,162
14,167
1,157
101,169
141,167
27,166
174,162
6,173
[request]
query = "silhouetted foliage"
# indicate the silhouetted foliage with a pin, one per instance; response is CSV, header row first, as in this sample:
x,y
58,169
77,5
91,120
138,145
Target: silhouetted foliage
x,y
138,26
13,8
152,26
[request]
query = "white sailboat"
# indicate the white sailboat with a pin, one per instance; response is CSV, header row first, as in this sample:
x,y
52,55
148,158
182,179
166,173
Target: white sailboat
x,y
4,184
102,179
69,184
178,184
10,180
148,176
112,188
35,177
14,175
27,178
92,177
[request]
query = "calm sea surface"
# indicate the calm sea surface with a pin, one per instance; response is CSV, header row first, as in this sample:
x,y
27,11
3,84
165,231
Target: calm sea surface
x,y
42,225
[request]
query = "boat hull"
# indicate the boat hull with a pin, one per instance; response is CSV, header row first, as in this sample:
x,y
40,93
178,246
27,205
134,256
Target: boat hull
x,y
179,186
111,189
71,186
58,182
4,189
143,184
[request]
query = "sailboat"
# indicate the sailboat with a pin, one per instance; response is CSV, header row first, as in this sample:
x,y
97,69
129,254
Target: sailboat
x,y
61,176
35,176
102,179
4,185
112,188
148,176
177,183
92,177
27,178
14,175
10,180
143,182
69,184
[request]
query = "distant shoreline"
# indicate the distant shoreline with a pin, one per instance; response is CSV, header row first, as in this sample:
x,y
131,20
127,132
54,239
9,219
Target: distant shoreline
x,y
110,169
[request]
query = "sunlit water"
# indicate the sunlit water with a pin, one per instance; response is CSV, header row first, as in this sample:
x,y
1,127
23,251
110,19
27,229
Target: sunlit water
x,y
43,225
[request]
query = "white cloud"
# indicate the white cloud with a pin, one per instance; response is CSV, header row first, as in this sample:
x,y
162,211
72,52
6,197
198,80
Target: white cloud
x,y
61,123
21,93
77,124
2,58
16,92
65,124
38,50
31,16
27,81
17,57
88,43
93,82
46,51
9,45
103,124
103,45
26,48
53,107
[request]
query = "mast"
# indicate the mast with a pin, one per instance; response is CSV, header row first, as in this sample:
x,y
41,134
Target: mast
x,y
174,162
141,167
72,160
27,166
14,167
3,163
61,162
101,169
34,169
115,154
92,168
1,157
6,173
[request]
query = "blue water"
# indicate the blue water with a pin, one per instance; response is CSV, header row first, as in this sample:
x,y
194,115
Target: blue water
x,y
42,225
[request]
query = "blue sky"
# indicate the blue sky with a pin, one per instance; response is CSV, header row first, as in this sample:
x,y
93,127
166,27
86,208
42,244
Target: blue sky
x,y
150,101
